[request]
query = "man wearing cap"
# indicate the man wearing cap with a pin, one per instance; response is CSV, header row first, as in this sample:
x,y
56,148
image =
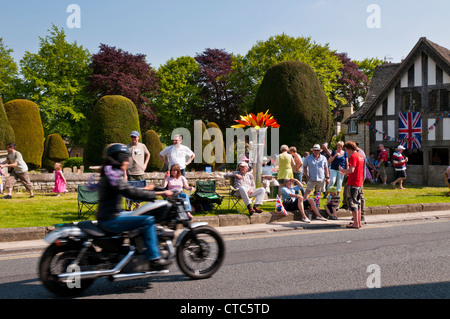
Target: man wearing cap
x,y
399,162
245,184
139,158
315,170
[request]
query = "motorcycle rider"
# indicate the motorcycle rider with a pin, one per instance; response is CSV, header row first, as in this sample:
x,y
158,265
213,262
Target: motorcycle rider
x,y
112,188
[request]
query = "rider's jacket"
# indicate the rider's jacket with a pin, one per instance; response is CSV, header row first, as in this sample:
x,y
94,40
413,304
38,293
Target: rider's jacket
x,y
111,189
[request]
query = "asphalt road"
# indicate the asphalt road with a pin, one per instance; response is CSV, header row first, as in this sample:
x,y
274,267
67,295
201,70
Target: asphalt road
x,y
405,260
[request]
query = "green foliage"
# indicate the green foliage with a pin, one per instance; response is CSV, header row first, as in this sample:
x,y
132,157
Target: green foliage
x,y
154,146
55,151
296,99
8,73
220,142
6,130
250,69
368,65
206,145
177,94
23,115
73,161
113,118
55,77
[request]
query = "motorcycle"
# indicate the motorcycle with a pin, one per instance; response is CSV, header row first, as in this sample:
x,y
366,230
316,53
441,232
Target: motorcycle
x,y
81,252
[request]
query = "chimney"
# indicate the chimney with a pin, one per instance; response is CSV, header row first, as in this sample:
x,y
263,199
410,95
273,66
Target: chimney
x,y
348,110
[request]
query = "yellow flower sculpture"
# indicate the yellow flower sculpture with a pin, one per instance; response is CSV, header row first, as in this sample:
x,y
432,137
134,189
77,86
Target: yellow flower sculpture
x,y
256,121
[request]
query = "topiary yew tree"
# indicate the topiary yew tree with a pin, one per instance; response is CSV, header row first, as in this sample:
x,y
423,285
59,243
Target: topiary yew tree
x,y
55,151
24,117
296,99
154,146
113,118
6,130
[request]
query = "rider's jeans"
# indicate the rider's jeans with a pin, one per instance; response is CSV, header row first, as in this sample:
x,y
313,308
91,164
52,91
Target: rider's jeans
x,y
126,223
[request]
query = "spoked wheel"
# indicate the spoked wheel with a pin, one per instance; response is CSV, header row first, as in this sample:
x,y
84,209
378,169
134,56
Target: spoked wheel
x,y
55,261
201,252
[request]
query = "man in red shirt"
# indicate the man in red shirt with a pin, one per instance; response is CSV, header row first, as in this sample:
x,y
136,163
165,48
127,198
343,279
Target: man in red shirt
x,y
355,181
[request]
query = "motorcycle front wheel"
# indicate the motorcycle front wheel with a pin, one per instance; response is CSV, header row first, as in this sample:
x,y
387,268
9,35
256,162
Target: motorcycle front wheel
x,y
56,260
201,252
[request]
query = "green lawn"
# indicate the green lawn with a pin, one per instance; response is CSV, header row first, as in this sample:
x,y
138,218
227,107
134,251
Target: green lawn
x,y
47,209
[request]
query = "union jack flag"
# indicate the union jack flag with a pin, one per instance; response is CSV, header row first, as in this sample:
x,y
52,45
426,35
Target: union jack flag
x,y
410,129
279,206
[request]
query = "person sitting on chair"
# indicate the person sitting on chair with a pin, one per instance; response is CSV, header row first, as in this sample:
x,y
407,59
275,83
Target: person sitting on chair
x,y
175,183
245,184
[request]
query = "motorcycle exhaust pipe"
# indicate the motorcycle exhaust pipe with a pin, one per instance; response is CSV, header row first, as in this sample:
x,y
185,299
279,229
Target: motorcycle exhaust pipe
x,y
98,273
142,275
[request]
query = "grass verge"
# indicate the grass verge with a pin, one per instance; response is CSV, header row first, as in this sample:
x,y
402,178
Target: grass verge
x,y
48,209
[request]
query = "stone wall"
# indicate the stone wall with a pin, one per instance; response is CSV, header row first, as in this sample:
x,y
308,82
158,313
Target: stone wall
x,y
45,182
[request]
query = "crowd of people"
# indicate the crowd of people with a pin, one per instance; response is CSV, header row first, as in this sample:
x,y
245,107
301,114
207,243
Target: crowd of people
x,y
324,171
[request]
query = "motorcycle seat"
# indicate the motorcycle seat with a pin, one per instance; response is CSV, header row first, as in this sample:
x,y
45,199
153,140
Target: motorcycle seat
x,y
91,228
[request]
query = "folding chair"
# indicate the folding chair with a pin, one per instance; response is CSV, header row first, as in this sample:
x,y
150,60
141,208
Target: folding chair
x,y
205,196
87,199
235,198
131,204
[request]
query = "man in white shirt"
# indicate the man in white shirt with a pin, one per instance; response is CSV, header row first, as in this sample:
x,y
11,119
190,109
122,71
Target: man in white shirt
x,y
176,154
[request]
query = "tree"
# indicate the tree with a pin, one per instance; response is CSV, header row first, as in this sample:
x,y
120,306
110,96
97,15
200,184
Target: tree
x,y
352,87
24,117
215,129
296,99
177,94
8,73
55,150
250,69
55,79
117,72
6,131
367,66
114,117
154,146
220,99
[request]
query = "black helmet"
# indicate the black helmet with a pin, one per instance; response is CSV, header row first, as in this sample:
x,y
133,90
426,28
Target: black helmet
x,y
116,154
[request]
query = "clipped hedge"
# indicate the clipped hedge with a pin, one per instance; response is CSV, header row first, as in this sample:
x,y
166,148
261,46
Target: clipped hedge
x,y
297,100
113,118
55,151
6,131
154,146
24,117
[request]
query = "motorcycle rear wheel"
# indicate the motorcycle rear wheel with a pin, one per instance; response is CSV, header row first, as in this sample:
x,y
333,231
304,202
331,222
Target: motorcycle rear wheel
x,y
55,261
201,252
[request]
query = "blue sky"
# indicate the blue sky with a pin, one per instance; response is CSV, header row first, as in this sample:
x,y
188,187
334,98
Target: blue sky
x,y
172,28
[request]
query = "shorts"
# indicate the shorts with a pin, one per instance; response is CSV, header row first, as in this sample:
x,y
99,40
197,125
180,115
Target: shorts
x,y
330,207
306,204
400,174
320,185
136,177
382,171
354,197
291,204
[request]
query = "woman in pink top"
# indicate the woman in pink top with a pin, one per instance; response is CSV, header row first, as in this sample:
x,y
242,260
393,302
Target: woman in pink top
x,y
175,182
